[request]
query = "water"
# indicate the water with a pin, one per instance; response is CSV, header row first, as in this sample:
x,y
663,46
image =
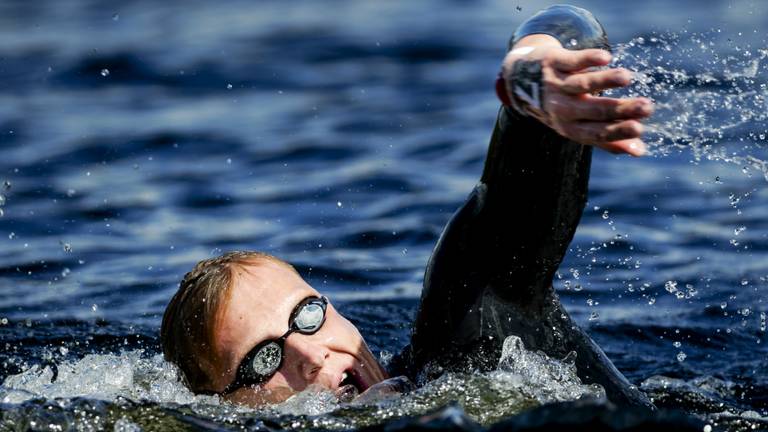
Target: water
x,y
138,139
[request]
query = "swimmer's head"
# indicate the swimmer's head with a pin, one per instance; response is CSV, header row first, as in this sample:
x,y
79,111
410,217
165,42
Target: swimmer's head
x,y
227,306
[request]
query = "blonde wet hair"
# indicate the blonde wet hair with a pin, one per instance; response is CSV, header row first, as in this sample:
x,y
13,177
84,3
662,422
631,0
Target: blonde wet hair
x,y
187,331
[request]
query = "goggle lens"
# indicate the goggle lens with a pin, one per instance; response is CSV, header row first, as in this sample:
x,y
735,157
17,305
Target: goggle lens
x,y
309,318
267,360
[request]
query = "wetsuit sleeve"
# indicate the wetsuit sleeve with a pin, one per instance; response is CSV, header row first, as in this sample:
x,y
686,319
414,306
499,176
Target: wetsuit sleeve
x,y
506,241
490,274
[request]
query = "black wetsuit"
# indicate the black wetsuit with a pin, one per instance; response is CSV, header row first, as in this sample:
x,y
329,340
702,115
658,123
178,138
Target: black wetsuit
x,y
490,275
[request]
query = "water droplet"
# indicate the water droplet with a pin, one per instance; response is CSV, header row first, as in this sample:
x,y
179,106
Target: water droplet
x,y
744,282
677,344
65,272
2,213
115,17
577,287
723,305
3,321
671,286
594,316
229,161
63,350
717,180
652,301
519,8
590,302
707,428
229,86
573,42
71,193
763,322
105,72
605,214
338,204
12,236
6,185
2,200
739,230
66,247
94,307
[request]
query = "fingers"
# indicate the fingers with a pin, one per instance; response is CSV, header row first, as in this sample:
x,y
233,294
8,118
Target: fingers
x,y
602,133
634,147
593,82
572,61
593,108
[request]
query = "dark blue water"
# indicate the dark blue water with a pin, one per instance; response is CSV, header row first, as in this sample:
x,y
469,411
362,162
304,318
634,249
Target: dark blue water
x,y
139,138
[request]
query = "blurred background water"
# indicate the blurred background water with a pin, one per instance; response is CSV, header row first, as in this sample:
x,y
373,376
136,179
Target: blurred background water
x,y
140,137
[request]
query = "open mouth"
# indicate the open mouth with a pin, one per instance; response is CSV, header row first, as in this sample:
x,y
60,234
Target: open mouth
x,y
348,377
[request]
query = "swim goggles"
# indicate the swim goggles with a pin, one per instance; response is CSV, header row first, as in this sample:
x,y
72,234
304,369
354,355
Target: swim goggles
x,y
265,359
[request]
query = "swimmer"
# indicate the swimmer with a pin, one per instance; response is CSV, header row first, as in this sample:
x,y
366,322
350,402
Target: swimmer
x,y
247,327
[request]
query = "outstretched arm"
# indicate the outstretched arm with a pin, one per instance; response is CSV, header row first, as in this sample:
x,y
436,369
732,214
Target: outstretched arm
x,y
491,272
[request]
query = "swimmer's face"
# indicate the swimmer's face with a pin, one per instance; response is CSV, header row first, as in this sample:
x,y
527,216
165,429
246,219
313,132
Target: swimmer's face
x,y
262,299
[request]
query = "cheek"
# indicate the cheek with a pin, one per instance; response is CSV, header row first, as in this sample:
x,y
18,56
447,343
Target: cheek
x,y
339,327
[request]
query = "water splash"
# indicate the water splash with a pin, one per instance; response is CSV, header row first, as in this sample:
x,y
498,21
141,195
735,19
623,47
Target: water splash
x,y
102,376
115,385
719,113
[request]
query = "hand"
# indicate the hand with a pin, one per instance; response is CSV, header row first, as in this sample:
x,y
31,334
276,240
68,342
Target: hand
x,y
568,96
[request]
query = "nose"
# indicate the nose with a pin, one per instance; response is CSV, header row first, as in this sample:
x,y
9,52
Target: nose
x,y
306,355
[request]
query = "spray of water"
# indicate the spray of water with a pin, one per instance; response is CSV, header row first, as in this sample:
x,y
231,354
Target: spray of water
x,y
115,383
711,96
